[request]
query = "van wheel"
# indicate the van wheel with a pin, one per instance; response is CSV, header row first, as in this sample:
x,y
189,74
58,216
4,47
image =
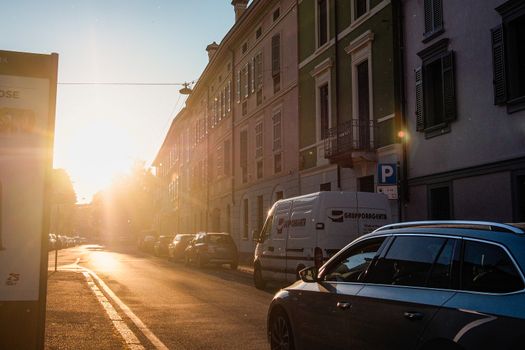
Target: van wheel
x,y
258,280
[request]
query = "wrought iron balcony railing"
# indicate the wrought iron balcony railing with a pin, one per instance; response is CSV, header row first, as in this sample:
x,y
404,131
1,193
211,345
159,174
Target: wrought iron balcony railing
x,y
350,136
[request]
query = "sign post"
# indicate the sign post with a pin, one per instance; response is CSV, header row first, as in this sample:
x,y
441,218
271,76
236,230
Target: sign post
x,y
27,116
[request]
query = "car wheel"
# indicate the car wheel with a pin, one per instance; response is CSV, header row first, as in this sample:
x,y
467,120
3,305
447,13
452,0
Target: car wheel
x,y
281,337
258,280
233,265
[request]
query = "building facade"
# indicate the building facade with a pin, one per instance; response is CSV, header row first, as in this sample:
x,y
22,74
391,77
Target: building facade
x,y
236,141
465,109
349,103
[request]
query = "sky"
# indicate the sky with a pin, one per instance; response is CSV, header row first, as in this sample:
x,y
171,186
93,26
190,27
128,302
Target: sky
x,y
101,130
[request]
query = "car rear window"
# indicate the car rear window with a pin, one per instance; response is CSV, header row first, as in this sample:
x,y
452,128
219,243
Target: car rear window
x,y
219,239
488,268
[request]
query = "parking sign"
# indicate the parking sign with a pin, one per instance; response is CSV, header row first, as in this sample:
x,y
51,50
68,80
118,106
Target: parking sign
x,y
387,174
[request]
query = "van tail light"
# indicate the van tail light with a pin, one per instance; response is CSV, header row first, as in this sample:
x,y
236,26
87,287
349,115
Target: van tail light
x,y
318,257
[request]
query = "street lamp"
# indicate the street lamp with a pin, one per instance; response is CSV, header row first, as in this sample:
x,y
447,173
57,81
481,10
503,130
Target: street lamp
x,y
186,89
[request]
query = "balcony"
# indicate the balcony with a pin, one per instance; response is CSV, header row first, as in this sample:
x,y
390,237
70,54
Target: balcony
x,y
349,142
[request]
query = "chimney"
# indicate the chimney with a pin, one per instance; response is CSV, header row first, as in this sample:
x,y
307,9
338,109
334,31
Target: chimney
x,y
240,7
212,48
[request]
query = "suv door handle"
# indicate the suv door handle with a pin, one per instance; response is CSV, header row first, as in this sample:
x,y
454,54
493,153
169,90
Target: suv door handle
x,y
413,315
343,305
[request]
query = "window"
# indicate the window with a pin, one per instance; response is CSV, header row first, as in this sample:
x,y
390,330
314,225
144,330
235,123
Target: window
x,y
324,110
267,229
433,19
410,261
260,171
258,71
245,216
366,184
508,54
276,130
246,81
258,33
244,155
360,8
325,187
259,140
519,197
488,268
363,106
277,163
260,213
259,97
435,89
244,47
352,265
244,110
279,195
276,14
276,54
440,202
276,83
322,22
227,170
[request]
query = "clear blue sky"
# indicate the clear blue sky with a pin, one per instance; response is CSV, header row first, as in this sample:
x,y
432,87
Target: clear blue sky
x,y
101,130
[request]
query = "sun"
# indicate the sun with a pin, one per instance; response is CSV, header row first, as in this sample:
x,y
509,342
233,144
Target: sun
x,y
96,152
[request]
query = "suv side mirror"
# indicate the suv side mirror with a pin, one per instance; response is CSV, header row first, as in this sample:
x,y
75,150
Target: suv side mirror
x,y
309,274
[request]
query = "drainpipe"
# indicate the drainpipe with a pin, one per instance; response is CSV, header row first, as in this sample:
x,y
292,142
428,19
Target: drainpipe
x,y
401,102
336,67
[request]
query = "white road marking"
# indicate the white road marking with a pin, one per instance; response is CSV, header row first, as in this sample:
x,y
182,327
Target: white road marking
x,y
129,337
137,321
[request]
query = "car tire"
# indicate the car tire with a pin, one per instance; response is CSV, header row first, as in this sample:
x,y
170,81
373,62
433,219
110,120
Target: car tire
x,y
281,335
258,280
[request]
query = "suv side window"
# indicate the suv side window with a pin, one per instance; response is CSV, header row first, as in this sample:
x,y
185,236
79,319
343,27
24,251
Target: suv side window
x,y
488,268
352,265
415,261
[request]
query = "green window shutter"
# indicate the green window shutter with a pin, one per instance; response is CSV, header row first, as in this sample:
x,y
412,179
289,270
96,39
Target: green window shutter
x,y
420,121
498,61
428,8
238,87
437,18
449,91
276,54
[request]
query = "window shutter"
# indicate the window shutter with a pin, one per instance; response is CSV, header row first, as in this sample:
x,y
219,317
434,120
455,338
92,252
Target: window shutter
x,y
260,71
437,18
428,16
498,61
238,87
449,91
420,121
252,80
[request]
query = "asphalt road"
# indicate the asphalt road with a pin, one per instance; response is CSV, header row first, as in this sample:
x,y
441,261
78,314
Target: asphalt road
x,y
185,307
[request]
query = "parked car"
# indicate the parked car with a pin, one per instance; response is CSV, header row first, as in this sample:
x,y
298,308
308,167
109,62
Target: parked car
x,y
310,229
52,242
178,245
419,285
147,242
160,247
211,248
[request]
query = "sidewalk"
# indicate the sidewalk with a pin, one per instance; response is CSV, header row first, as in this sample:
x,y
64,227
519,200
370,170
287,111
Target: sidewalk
x,y
74,317
76,320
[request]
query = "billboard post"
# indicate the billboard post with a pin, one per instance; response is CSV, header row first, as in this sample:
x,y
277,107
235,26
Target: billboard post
x,y
27,119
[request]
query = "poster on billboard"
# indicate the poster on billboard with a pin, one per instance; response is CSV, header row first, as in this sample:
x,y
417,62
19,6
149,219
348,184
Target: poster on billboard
x,y
27,108
24,106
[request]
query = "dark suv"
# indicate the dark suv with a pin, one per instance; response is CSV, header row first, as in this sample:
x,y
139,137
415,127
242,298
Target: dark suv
x,y
418,285
211,248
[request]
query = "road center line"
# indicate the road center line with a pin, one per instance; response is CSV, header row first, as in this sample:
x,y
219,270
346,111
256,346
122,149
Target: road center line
x,y
137,321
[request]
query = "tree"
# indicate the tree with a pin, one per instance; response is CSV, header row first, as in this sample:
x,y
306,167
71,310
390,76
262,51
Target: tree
x,y
63,200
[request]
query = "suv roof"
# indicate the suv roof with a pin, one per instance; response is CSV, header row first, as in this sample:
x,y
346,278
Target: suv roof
x,y
474,225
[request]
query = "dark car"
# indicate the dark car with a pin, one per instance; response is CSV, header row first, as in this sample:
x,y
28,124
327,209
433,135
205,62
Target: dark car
x,y
421,285
147,242
211,248
160,247
178,245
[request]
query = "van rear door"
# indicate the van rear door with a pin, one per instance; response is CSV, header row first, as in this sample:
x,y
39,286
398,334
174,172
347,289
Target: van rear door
x,y
374,210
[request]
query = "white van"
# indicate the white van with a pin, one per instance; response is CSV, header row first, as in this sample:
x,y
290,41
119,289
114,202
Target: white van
x,y
307,230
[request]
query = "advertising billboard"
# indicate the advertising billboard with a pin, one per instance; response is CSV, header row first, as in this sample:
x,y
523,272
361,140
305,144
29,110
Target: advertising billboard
x,y
27,107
